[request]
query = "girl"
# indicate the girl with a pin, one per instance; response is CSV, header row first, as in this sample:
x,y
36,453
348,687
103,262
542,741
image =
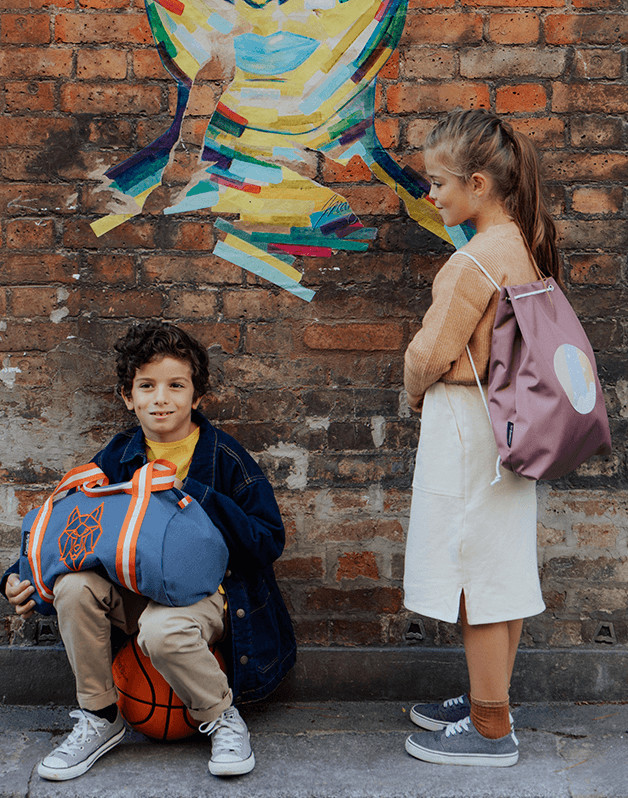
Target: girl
x,y
471,549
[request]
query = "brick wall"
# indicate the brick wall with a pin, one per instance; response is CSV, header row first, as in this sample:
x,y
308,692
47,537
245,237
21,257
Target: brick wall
x,y
314,390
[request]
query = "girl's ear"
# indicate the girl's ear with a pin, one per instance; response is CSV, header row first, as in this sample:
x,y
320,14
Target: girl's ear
x,y
480,184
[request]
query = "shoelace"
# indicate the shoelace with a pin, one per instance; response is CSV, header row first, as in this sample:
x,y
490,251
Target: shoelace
x,y
451,702
81,732
458,727
231,730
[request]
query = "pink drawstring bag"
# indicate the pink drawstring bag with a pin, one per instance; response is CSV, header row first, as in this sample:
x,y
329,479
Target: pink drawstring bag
x,y
545,400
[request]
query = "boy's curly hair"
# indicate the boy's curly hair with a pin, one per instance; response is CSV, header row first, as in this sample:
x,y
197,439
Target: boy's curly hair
x,y
152,340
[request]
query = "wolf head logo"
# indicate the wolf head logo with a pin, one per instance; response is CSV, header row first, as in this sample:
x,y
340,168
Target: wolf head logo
x,y
80,536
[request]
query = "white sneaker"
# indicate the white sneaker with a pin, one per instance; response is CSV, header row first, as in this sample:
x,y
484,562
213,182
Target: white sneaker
x,y
231,747
90,738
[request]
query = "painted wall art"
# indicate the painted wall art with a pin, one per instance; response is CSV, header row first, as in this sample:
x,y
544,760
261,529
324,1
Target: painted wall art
x,y
305,78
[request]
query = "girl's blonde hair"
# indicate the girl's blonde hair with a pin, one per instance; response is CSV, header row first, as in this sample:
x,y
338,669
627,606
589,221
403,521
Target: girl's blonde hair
x,y
479,141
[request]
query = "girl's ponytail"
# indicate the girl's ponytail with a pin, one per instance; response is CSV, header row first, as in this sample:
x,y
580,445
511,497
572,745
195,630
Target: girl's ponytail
x,y
527,206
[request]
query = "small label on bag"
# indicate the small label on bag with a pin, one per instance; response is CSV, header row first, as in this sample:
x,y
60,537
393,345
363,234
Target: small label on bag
x,y
183,503
510,427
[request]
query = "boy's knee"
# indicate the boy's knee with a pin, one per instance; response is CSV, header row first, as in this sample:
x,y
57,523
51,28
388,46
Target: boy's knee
x,y
75,586
157,634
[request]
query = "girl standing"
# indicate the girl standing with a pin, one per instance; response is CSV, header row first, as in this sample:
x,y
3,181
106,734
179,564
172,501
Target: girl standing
x,y
471,549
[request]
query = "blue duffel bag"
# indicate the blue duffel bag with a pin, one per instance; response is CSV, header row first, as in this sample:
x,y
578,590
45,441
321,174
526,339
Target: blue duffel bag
x,y
148,536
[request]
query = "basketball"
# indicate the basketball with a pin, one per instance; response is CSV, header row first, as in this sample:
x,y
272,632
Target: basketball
x,y
146,700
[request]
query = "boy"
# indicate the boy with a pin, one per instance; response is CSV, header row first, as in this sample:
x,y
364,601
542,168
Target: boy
x,y
162,376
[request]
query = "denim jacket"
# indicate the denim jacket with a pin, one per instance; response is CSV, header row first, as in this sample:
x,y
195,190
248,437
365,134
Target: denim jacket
x,y
233,491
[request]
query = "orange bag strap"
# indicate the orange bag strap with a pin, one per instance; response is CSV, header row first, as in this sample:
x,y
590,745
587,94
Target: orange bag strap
x,y
75,478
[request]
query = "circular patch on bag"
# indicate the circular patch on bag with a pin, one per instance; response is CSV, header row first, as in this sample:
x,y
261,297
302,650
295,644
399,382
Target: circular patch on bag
x,y
575,373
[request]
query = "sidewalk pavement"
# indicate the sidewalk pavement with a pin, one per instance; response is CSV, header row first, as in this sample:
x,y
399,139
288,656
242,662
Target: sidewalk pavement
x,y
332,750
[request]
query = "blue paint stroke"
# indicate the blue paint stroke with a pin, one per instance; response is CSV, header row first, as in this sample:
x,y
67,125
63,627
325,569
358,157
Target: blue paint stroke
x,y
263,270
272,55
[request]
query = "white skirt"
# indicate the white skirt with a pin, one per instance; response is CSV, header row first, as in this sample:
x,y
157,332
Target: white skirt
x,y
464,533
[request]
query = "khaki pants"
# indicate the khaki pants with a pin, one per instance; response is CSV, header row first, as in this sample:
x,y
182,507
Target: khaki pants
x,y
176,639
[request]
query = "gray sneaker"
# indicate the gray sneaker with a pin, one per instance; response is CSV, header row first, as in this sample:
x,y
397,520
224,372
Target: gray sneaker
x,y
435,717
231,747
90,738
461,744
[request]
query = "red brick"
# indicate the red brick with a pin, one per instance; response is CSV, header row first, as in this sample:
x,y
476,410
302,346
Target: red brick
x,y
598,535
30,234
595,201
525,97
111,269
387,131
354,336
596,132
602,29
371,200
226,336
352,565
512,62
350,529
595,5
514,3
106,5
355,170
34,5
445,28
33,301
597,64
191,304
360,632
137,233
435,98
19,198
591,234
26,97
35,336
517,28
368,600
24,269
103,98
198,270
102,28
32,131
299,568
431,4
35,62
148,64
589,98
106,64
117,304
598,269
545,133
390,70
423,63
25,28
583,166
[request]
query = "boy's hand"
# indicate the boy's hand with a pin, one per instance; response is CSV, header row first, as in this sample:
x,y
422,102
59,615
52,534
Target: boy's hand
x,y
18,593
178,484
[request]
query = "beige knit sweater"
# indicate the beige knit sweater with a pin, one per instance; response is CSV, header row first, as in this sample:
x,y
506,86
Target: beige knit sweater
x,y
464,303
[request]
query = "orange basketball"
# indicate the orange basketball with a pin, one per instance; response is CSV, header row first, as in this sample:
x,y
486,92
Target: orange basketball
x,y
146,700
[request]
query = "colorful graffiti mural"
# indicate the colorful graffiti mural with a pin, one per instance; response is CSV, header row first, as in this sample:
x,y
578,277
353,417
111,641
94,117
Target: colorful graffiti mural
x,y
305,76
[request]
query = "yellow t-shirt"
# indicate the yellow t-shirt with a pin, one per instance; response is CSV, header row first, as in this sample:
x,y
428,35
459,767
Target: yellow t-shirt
x,y
177,452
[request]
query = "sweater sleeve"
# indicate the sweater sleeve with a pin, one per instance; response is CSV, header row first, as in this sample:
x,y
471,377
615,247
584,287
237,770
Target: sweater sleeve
x,y
460,296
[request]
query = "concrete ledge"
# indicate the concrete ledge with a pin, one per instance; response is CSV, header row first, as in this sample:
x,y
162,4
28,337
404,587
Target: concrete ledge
x,y
41,675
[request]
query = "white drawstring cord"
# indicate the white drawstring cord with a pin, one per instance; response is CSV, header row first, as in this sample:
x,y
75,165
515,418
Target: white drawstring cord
x,y
498,476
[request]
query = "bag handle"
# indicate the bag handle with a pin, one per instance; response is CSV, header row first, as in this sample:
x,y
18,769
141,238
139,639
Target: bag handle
x,y
164,479
75,478
156,475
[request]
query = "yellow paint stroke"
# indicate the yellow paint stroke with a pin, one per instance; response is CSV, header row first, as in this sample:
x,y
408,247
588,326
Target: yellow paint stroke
x,y
269,260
